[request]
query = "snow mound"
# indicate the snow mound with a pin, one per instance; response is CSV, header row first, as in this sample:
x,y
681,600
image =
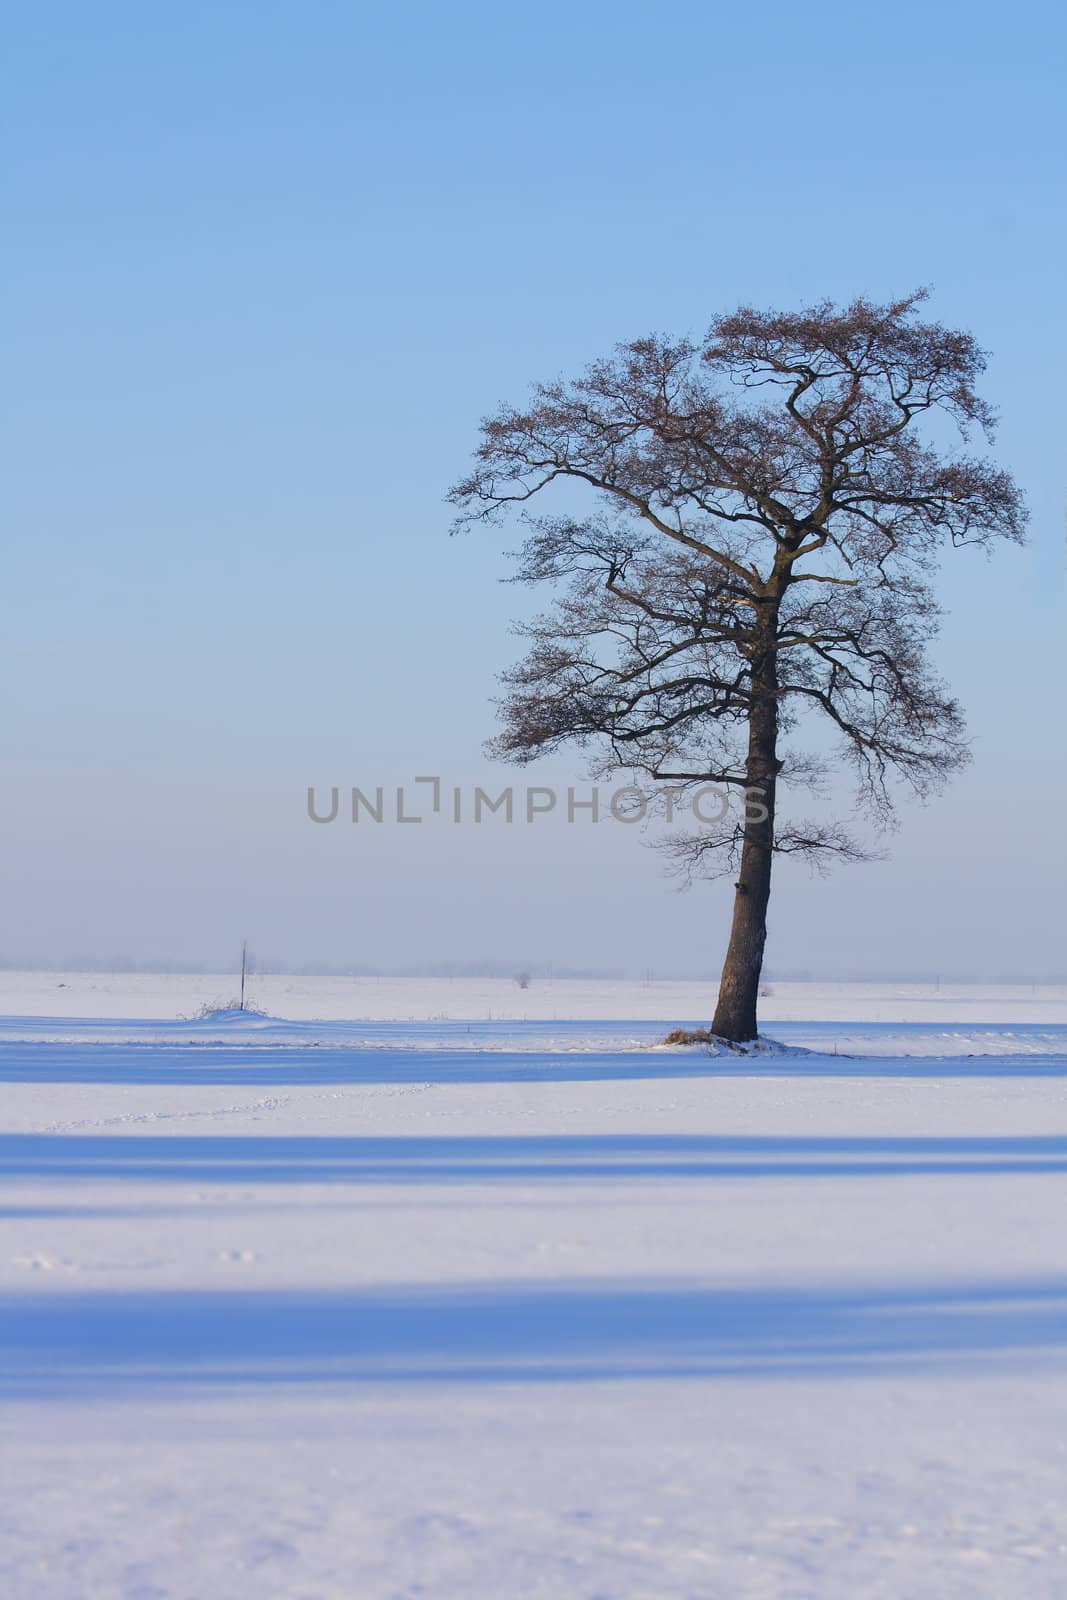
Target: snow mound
x,y
231,1016
710,1044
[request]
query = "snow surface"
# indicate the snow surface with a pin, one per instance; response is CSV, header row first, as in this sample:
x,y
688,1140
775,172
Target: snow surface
x,y
159,996
343,1310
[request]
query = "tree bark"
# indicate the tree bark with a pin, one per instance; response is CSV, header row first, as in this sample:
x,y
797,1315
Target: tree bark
x,y
735,1013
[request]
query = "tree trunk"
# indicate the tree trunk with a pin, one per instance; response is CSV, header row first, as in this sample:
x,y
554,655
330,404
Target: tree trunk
x,y
735,1014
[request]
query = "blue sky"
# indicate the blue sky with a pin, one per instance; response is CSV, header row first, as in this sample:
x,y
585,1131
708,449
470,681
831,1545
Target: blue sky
x,y
266,266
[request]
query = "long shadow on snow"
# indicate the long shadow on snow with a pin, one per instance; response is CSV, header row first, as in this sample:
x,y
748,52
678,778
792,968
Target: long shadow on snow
x,y
279,1067
84,1344
611,1158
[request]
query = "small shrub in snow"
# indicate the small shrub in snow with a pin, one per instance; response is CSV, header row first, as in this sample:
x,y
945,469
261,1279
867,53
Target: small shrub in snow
x,y
212,1009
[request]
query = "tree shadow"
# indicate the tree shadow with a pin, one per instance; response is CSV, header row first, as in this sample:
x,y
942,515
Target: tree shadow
x,y
82,1345
500,1159
274,1067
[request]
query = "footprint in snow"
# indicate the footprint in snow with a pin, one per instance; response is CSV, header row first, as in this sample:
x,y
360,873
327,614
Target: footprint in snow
x,y
43,1263
265,1551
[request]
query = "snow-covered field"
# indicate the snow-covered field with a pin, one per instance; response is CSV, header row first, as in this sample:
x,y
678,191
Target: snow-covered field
x,y
502,1300
151,996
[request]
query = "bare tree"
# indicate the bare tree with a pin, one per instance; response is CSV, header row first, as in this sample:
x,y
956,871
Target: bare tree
x,y
765,523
